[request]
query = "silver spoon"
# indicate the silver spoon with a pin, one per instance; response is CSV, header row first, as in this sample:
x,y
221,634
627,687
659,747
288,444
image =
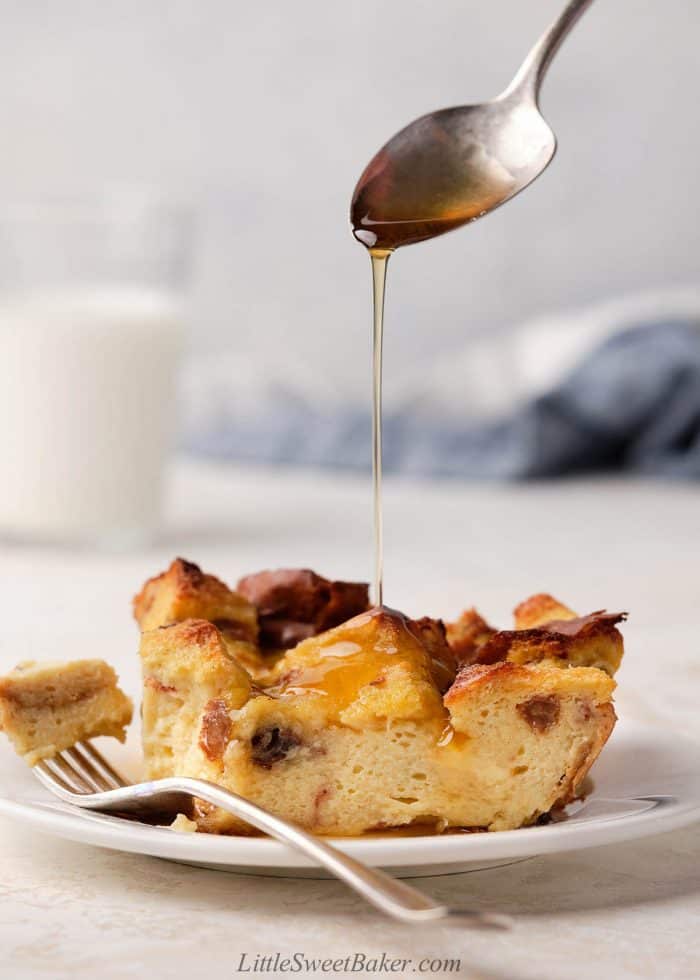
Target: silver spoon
x,y
455,165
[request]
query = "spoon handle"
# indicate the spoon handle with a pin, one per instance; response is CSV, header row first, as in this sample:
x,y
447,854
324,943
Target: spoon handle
x,y
533,69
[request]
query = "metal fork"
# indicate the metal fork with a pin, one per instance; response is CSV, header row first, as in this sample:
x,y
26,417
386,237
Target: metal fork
x,y
82,776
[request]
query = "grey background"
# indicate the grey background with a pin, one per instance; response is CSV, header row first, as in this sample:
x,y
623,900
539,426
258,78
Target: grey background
x,y
266,113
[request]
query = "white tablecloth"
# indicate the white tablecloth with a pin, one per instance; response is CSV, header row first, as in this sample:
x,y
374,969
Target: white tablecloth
x,y
620,911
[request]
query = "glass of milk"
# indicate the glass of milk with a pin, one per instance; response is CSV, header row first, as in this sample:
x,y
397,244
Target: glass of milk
x,y
91,329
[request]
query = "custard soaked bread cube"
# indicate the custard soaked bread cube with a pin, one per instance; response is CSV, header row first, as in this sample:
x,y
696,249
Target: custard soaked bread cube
x,y
545,630
467,635
530,732
269,612
540,609
296,603
365,726
185,592
47,707
378,666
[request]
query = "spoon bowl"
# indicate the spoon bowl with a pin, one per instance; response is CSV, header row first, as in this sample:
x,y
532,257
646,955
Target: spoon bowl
x,y
455,165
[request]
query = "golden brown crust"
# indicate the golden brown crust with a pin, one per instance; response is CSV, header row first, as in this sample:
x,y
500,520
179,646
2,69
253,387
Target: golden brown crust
x,y
545,630
196,641
591,639
473,675
467,635
184,591
433,636
183,577
597,623
541,677
606,718
295,603
538,609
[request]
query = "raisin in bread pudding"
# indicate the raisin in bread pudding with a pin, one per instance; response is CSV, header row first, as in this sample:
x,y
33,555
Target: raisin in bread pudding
x,y
378,721
47,707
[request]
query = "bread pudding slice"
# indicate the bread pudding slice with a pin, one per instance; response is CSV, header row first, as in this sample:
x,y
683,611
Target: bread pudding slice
x,y
545,630
47,707
371,725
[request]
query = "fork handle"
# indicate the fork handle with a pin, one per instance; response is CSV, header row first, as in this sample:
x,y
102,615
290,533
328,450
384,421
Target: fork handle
x,y
387,894
395,898
530,75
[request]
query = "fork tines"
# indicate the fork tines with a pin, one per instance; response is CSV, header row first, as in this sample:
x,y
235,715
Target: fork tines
x,y
80,769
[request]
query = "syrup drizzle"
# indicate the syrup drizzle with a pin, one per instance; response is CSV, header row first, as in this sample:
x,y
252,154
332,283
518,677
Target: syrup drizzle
x,y
380,258
389,209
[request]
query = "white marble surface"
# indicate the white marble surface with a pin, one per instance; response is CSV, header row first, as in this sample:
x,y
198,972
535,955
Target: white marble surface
x,y
614,912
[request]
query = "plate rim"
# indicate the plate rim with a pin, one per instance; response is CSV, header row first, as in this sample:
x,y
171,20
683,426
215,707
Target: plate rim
x,y
99,830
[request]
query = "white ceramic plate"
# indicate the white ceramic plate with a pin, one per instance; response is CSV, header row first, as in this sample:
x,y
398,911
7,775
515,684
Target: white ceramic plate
x,y
647,781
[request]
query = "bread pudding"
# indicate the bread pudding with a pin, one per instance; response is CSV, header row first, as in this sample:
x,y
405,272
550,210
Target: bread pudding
x,y
544,630
296,603
379,721
47,707
292,692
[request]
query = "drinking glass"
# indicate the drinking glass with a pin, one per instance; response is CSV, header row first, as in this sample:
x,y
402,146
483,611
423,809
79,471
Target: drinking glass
x,y
91,328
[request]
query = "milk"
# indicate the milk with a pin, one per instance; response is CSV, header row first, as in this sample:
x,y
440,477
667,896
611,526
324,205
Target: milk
x,y
86,410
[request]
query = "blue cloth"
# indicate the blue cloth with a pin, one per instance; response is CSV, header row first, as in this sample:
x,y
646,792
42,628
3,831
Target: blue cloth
x,y
632,404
